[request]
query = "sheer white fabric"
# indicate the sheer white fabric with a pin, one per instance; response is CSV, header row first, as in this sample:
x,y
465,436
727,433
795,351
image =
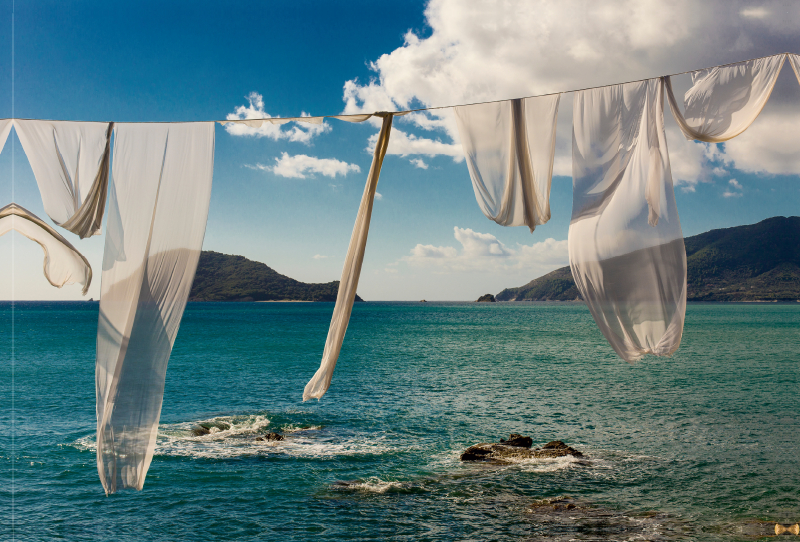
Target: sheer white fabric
x,y
5,129
63,264
509,148
351,272
626,247
724,101
158,206
794,60
70,162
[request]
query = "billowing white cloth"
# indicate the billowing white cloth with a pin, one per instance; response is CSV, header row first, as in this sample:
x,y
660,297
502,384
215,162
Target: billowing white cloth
x,y
62,263
509,148
158,207
70,162
321,380
5,129
625,242
794,60
724,101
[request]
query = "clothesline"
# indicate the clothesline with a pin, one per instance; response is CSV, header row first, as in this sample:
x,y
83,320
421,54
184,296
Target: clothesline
x,y
361,117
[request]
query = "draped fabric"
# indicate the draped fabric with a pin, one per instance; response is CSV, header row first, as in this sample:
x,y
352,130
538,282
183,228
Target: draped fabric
x,y
63,264
351,272
5,129
158,205
626,247
509,148
724,101
70,161
794,60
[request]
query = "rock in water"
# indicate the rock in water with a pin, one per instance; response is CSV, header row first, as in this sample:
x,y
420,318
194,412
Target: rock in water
x,y
269,437
488,298
515,448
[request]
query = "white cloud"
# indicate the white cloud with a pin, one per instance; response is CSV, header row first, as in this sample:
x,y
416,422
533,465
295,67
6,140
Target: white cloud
x,y
299,132
769,146
419,162
735,191
483,252
319,257
301,165
378,196
734,183
477,52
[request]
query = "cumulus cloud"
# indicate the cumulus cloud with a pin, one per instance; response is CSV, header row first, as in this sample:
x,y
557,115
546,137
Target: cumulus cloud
x,y
483,252
477,52
419,163
734,191
299,166
299,132
378,196
769,146
319,257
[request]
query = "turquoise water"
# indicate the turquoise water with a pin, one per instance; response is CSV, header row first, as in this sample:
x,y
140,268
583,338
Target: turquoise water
x,y
699,446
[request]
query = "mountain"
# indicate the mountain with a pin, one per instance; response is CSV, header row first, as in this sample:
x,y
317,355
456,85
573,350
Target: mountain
x,y
759,262
221,277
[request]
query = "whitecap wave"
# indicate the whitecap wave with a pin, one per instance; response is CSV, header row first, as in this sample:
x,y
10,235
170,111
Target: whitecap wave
x,y
372,485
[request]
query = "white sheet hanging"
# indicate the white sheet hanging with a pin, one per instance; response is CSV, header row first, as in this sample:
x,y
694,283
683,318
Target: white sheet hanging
x,y
724,101
351,272
794,60
63,264
509,148
70,162
158,207
626,247
5,129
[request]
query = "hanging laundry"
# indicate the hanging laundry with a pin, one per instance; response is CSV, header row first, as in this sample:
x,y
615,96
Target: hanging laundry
x,y
794,60
626,247
351,272
724,101
70,161
5,129
509,148
158,205
63,264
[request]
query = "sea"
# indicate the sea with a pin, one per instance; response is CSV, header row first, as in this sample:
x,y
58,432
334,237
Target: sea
x,y
704,445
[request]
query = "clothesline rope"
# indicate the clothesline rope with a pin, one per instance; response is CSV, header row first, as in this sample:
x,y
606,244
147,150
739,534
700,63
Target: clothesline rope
x,y
432,108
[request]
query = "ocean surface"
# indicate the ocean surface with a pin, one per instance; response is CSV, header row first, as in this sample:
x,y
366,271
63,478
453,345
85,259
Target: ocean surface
x,y
701,446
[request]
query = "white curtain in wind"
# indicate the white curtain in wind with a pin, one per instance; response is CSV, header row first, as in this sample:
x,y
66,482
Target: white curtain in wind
x,y
626,247
725,100
70,161
158,205
5,129
351,272
509,147
63,264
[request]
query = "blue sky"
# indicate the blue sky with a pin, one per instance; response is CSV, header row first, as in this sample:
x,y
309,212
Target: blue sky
x,y
201,61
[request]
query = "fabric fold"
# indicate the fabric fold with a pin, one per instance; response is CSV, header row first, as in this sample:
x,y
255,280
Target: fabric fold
x,y
70,161
158,206
63,264
794,61
5,129
626,247
725,100
351,272
509,147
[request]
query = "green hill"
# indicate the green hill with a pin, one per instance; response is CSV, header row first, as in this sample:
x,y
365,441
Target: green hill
x,y
221,277
759,262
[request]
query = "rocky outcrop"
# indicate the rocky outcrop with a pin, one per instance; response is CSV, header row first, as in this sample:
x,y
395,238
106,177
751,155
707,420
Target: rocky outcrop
x,y
270,437
488,298
516,448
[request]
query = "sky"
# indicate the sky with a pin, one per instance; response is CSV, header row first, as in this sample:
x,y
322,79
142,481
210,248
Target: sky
x,y
288,195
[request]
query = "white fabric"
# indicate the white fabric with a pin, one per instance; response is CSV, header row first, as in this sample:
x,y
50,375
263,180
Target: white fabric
x,y
724,101
626,247
509,148
794,60
348,284
62,263
70,162
5,129
158,206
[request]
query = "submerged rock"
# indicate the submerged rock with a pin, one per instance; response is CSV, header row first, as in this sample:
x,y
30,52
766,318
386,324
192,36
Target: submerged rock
x,y
515,448
269,437
488,298
206,428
